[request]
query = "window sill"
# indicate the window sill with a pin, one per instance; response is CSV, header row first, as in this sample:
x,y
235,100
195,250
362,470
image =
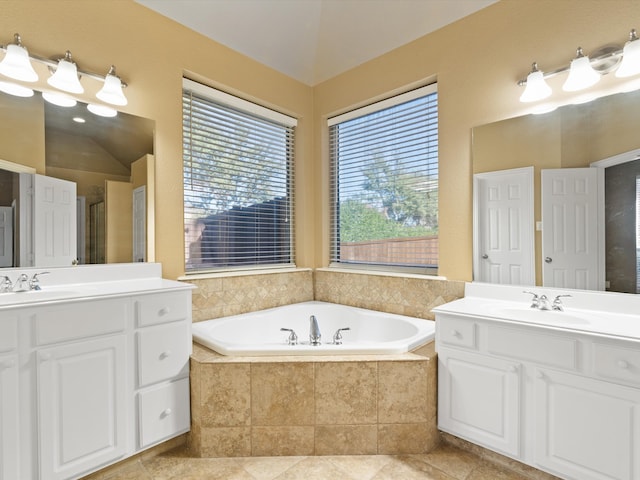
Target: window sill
x,y
382,273
241,273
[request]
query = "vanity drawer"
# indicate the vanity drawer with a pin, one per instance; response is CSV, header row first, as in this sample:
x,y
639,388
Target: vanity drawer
x,y
8,333
165,308
163,412
163,352
527,345
616,363
60,323
457,331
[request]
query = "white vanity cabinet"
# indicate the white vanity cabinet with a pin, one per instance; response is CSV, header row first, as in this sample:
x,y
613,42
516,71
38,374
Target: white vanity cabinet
x,y
162,359
81,362
563,401
9,430
88,380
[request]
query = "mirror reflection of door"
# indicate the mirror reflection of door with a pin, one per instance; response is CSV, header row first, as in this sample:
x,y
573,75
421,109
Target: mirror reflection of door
x,y
6,236
572,243
503,227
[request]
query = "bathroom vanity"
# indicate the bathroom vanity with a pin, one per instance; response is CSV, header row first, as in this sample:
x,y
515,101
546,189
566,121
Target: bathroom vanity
x,y
557,390
93,368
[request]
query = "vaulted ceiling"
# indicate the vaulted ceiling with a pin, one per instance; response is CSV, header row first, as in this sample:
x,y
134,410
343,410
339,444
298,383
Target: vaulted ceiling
x,y
314,40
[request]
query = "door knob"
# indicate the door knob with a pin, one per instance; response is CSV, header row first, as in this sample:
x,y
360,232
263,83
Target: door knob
x,y
548,259
485,256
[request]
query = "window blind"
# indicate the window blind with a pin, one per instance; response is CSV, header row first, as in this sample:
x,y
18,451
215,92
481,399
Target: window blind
x,y
384,183
238,182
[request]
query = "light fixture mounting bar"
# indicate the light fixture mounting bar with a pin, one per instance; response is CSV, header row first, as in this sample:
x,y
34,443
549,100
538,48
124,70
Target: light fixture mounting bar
x,y
552,73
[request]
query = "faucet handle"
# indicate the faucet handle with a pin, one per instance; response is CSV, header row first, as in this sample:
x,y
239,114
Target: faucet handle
x,y
5,285
293,338
535,301
34,283
337,337
557,303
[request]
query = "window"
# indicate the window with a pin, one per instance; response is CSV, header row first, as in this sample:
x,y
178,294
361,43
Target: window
x,y
384,184
238,182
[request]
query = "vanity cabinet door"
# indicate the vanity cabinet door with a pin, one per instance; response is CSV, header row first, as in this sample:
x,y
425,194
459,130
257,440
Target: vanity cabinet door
x,y
82,406
586,429
479,398
9,429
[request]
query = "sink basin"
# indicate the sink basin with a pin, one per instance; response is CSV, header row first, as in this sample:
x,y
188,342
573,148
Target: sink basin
x,y
31,296
549,317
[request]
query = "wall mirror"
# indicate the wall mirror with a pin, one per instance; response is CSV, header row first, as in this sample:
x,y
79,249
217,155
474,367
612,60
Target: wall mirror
x,y
110,160
576,136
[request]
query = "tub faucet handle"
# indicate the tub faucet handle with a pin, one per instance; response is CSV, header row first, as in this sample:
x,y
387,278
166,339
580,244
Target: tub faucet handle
x,y
337,337
557,303
293,338
5,284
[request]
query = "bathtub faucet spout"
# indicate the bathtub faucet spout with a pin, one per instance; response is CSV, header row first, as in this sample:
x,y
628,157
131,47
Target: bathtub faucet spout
x,y
314,331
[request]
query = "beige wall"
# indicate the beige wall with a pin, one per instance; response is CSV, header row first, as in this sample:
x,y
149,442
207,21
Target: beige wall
x,y
476,62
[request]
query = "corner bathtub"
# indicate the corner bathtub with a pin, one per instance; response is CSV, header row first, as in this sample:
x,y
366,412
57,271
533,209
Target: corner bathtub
x,y
258,333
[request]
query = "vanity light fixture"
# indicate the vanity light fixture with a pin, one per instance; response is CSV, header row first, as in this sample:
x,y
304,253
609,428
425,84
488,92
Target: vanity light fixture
x,y
17,65
630,64
65,77
537,88
15,89
583,71
102,110
59,99
111,92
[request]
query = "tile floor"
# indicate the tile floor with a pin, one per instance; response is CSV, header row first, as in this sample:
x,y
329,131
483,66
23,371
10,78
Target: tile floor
x,y
447,462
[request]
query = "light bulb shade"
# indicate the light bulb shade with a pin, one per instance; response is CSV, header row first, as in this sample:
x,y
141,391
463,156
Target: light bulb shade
x,y
581,75
15,89
65,77
630,64
536,88
111,92
59,99
102,110
17,65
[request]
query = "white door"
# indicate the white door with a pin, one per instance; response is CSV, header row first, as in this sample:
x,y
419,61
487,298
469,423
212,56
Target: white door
x,y
6,236
82,406
54,218
503,227
139,224
586,429
572,244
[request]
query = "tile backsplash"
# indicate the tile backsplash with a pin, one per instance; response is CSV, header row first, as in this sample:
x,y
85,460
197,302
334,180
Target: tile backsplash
x,y
232,295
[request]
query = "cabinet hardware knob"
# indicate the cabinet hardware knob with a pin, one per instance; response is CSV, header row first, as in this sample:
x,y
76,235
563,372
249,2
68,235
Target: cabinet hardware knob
x,y
164,355
455,333
164,311
7,364
623,364
166,412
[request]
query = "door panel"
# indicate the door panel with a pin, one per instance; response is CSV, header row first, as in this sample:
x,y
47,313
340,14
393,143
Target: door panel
x,y
503,230
571,245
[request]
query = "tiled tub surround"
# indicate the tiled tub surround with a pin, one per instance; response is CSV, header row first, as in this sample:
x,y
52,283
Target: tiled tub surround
x,y
350,405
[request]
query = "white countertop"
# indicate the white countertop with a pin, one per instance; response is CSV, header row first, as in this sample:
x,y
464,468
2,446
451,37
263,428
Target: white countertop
x,y
88,282
600,313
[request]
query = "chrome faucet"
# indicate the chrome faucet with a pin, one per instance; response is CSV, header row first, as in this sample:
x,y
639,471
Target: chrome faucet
x,y
543,303
314,331
5,285
337,337
22,283
557,303
34,283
